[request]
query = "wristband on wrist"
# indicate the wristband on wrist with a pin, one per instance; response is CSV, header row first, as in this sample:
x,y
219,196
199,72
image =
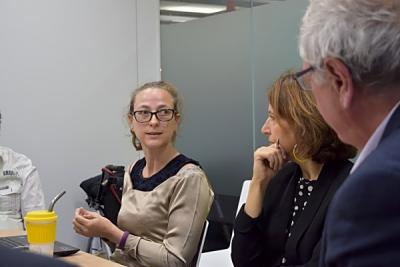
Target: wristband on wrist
x,y
122,241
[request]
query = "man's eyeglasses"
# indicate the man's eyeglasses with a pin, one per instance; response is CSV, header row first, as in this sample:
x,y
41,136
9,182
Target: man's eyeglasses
x,y
161,115
300,78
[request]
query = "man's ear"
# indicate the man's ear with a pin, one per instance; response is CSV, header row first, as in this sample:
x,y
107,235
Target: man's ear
x,y
342,80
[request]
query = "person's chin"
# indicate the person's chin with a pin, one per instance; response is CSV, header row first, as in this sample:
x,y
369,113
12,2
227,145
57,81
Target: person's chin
x,y
154,143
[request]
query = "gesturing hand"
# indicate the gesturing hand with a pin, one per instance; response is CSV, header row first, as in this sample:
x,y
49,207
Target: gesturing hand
x,y
90,224
267,161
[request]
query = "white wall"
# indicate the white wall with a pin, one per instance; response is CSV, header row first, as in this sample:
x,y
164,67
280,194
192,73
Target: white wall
x,y
67,69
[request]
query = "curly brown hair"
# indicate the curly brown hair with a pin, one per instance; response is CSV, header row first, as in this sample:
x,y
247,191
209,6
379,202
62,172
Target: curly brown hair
x,y
315,139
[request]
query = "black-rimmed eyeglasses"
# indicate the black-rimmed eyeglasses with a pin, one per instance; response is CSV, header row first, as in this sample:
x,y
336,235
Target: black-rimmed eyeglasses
x,y
162,115
300,78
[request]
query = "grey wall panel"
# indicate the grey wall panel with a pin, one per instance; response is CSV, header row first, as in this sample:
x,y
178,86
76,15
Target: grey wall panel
x,y
209,61
223,65
276,28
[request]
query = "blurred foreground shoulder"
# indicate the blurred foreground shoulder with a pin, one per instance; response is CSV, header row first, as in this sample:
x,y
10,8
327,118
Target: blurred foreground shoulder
x,y
12,257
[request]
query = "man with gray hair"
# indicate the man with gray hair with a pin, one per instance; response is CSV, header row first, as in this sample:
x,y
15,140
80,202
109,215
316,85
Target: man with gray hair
x,y
351,55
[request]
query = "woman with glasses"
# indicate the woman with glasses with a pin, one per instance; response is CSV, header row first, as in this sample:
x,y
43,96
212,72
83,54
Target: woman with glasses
x,y
166,195
294,179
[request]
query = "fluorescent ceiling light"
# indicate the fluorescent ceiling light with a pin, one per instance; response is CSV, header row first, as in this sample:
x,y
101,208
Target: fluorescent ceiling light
x,y
175,18
193,8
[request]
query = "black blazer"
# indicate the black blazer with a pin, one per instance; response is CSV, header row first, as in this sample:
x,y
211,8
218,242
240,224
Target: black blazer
x,y
262,241
363,223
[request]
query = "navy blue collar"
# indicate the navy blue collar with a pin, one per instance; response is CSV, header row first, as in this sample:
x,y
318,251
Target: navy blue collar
x,y
148,184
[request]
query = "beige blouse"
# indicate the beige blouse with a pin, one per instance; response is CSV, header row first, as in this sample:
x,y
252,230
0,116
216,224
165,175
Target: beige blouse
x,y
165,224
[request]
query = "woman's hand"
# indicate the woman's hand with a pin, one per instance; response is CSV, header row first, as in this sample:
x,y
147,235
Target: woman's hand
x,y
267,161
90,224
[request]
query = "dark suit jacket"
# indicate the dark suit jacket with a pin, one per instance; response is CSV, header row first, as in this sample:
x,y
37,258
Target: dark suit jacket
x,y
262,241
363,222
16,258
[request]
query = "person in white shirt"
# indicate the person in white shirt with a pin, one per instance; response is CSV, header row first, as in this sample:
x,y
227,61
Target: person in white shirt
x,y
20,188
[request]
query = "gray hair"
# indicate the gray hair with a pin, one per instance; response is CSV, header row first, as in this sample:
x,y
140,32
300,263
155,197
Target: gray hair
x,y
363,34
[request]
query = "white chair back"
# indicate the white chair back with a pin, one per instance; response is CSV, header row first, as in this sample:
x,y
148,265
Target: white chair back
x,y
242,199
201,244
243,194
222,258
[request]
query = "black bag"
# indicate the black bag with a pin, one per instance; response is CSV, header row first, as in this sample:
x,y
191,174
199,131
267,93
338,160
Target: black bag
x,y
104,191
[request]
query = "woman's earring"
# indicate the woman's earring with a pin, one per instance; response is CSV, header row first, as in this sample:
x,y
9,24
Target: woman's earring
x,y
296,157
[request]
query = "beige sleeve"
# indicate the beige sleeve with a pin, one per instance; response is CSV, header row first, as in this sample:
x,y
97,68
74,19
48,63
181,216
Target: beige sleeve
x,y
189,205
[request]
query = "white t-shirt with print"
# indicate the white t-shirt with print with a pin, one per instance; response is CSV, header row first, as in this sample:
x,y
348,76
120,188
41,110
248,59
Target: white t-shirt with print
x,y
20,189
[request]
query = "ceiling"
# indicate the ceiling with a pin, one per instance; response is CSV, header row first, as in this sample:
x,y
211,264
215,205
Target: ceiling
x,y
185,10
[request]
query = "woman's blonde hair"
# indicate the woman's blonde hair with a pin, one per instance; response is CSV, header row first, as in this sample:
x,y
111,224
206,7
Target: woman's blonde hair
x,y
315,139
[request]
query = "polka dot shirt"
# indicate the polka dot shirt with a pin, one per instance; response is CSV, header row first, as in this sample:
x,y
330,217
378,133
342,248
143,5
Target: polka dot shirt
x,y
304,189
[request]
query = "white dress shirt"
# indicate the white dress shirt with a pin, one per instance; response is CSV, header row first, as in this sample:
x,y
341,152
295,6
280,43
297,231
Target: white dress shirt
x,y
20,189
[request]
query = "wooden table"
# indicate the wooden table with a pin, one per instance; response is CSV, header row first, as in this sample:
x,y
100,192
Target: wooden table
x,y
80,258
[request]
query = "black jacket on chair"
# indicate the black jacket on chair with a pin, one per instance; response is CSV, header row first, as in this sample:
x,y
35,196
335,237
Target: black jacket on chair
x,y
263,241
